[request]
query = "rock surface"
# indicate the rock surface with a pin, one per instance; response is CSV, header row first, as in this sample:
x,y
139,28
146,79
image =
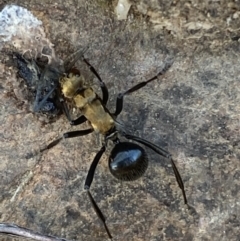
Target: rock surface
x,y
194,112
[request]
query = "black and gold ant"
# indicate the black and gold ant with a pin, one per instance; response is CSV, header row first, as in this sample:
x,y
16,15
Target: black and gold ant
x,y
127,161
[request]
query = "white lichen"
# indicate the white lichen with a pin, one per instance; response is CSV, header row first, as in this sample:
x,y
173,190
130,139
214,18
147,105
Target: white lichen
x,y
21,29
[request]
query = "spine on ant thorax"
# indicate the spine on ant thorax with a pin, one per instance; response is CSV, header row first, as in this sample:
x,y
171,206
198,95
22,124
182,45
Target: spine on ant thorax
x,y
89,102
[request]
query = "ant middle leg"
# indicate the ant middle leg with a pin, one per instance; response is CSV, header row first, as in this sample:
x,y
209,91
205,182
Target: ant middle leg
x,y
119,102
66,135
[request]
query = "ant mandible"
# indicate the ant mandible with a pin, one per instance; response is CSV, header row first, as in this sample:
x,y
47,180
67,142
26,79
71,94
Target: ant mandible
x,y
127,161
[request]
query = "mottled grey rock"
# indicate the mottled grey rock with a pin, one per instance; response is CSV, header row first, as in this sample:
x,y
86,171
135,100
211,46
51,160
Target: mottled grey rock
x,y
193,112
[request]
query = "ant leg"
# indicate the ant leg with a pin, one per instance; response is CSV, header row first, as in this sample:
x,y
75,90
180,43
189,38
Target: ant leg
x,y
165,154
80,120
87,186
73,58
102,84
66,135
119,103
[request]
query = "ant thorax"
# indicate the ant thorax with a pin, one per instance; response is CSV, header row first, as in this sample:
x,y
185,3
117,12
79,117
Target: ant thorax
x,y
101,121
88,102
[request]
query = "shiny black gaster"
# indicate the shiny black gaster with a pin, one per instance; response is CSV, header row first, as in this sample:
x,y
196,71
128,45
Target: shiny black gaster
x,y
128,161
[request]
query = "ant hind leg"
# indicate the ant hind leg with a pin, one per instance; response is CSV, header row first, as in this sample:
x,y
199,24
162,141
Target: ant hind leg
x,y
87,186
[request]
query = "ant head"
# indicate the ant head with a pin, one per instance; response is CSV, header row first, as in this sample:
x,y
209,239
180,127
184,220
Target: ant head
x,y
128,161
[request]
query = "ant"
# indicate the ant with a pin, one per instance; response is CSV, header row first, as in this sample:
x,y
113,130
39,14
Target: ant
x,y
128,161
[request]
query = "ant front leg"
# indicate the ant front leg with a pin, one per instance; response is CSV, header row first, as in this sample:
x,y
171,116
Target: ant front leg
x,y
87,186
119,103
80,120
102,84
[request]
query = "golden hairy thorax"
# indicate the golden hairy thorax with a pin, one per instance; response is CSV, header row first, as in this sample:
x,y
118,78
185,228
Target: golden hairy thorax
x,y
88,101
